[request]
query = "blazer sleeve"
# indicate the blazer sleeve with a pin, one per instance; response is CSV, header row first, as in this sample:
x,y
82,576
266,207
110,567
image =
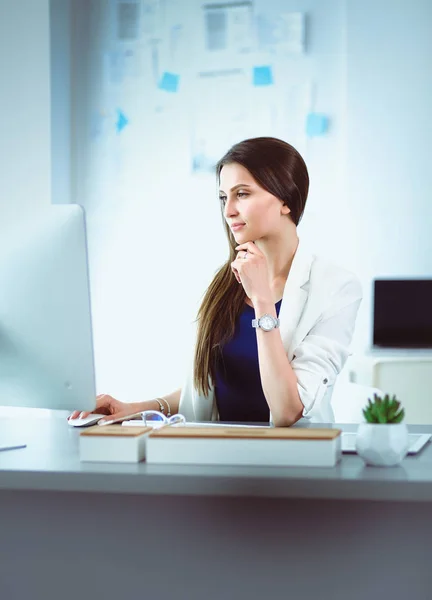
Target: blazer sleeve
x,y
192,405
321,355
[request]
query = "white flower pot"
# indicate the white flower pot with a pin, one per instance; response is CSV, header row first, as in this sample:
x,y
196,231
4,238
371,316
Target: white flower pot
x,y
382,445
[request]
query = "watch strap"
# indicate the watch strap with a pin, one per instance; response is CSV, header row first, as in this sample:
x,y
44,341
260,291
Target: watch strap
x,y
255,322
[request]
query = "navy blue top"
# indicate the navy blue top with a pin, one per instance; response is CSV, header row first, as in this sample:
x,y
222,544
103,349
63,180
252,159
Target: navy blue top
x,y
238,389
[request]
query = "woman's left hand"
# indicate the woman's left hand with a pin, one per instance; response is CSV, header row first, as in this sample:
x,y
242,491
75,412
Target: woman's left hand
x,y
252,272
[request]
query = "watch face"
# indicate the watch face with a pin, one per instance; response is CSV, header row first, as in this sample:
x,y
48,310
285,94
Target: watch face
x,y
266,322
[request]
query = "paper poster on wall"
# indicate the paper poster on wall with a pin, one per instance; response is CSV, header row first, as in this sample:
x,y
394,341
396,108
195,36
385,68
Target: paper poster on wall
x,y
294,106
132,58
98,121
228,27
114,66
122,63
171,52
176,37
282,33
168,60
150,19
127,20
224,114
158,17
153,50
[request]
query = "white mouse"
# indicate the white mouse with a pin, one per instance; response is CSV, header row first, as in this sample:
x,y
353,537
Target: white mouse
x,y
92,419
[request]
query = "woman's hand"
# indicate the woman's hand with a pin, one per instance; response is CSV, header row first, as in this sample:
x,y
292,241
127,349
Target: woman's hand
x,y
252,272
107,405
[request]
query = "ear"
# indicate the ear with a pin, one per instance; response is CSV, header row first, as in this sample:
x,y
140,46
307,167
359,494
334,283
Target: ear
x,y
285,210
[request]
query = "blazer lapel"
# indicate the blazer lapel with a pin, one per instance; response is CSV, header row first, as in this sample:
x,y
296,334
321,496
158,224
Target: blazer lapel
x,y
294,297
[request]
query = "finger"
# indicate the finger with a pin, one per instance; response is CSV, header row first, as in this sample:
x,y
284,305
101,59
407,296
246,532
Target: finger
x,y
81,414
114,417
109,419
250,246
236,275
74,415
85,413
100,397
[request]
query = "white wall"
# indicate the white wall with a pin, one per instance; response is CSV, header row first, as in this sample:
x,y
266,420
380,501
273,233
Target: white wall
x,y
25,148
389,132
61,98
25,124
368,207
373,62
150,258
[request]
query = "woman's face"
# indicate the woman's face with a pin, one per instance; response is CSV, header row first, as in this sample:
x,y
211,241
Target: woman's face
x,y
244,201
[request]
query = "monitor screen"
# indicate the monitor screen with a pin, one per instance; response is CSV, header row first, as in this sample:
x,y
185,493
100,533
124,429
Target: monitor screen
x,y
402,313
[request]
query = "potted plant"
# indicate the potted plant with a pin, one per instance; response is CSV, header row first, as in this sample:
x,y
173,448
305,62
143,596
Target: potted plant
x,y
383,440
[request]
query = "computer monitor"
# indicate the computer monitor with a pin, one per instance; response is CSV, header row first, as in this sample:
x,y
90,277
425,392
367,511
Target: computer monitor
x,y
402,313
46,345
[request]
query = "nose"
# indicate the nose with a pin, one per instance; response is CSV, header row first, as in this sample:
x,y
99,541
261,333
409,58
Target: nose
x,y
230,209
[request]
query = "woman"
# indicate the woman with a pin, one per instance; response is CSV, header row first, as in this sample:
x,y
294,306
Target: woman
x,y
275,324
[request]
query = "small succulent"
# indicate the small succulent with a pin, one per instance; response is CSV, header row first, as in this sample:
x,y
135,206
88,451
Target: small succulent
x,y
383,410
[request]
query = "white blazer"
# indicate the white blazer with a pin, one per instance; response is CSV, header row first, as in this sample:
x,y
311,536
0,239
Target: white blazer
x,y
317,317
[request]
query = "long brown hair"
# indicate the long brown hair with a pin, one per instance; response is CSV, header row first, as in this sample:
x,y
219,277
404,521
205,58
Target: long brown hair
x,y
278,168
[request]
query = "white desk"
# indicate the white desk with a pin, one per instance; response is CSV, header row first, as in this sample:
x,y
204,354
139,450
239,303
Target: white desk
x,y
349,532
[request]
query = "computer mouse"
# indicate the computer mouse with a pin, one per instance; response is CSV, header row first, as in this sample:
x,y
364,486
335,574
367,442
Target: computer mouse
x,y
92,419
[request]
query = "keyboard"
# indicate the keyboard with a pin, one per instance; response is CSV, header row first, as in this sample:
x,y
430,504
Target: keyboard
x,y
416,441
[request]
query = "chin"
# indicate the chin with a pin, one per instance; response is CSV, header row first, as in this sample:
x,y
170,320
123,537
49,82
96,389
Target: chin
x,y
239,233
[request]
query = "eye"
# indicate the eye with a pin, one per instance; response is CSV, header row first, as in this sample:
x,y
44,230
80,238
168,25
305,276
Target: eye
x,y
242,194
222,199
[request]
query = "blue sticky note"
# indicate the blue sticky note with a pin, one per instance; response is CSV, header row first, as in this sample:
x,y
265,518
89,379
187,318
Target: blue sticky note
x,y
122,121
316,124
262,76
169,82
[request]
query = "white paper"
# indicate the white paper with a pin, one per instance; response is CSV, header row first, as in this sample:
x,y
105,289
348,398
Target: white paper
x,y
155,18
228,27
127,20
149,27
227,110
282,33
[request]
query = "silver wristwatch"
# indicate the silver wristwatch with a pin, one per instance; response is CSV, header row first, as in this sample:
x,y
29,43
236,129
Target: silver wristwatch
x,y
266,322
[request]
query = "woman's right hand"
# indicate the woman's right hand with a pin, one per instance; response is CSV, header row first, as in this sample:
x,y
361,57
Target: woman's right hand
x,y
106,405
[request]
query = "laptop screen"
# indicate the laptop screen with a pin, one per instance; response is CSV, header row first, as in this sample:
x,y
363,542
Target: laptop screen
x,y
402,313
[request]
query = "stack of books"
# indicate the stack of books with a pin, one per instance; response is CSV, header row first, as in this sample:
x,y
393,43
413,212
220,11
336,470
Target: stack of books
x,y
262,446
113,443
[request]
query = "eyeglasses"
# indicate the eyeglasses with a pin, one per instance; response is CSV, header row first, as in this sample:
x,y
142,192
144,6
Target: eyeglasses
x,y
154,418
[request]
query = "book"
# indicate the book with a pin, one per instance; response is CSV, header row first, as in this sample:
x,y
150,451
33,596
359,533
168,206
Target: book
x,y
157,424
113,443
263,446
